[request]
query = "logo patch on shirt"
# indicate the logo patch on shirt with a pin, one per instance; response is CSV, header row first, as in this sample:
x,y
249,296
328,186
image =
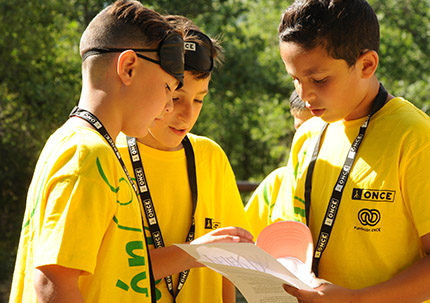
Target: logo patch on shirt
x,y
369,217
211,224
373,195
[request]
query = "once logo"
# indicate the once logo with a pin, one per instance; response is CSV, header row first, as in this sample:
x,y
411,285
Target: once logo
x,y
369,217
373,195
190,46
211,224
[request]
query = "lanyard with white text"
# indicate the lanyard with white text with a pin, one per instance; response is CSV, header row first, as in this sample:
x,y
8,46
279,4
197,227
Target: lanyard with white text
x,y
151,216
336,195
92,119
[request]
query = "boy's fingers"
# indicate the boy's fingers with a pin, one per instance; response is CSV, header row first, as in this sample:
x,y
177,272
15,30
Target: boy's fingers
x,y
234,231
227,234
293,291
290,289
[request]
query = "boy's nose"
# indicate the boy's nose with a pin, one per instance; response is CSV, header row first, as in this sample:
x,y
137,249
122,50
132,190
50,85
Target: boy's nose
x,y
186,110
169,104
305,92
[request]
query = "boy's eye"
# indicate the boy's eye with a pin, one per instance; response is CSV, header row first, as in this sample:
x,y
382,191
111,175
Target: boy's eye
x,y
320,81
198,101
167,87
174,99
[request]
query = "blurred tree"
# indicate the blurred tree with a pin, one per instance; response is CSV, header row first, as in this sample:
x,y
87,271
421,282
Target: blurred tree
x,y
40,83
405,48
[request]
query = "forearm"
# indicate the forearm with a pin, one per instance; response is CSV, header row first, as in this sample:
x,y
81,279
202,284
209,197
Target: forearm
x,y
411,285
57,284
228,291
170,260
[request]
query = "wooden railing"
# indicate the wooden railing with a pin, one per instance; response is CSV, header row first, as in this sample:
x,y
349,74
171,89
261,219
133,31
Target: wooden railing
x,y
247,186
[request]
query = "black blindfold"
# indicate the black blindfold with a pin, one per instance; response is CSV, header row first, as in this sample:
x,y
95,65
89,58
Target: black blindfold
x,y
199,56
170,53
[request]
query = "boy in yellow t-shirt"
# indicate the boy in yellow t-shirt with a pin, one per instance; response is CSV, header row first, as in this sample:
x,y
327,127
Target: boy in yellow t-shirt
x,y
357,171
187,178
82,238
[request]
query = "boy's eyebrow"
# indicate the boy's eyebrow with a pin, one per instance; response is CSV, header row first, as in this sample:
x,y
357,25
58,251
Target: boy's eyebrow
x,y
203,92
314,70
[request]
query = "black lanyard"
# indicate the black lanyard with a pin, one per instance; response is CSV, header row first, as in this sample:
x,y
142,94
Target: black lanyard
x,y
336,195
92,119
151,216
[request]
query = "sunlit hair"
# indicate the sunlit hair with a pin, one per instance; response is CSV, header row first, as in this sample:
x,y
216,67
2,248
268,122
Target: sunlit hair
x,y
184,24
345,28
296,104
125,24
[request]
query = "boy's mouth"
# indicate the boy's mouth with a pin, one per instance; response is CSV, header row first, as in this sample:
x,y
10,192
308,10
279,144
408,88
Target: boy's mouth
x,y
178,131
317,112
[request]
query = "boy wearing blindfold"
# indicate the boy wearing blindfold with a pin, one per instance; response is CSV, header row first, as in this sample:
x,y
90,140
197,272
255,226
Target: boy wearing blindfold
x,y
83,237
187,184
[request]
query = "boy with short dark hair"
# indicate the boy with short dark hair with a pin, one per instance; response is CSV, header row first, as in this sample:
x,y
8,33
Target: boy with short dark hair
x,y
362,185
83,238
187,183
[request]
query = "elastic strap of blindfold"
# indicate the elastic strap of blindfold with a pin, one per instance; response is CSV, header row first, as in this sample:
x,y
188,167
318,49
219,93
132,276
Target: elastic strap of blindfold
x,y
98,51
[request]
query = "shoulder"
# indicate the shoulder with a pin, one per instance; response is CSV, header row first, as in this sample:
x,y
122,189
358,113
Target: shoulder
x,y
277,175
77,147
404,119
273,180
308,132
80,138
205,145
121,141
309,129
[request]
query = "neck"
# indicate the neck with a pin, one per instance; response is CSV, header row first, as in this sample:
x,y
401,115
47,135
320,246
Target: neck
x,y
151,141
101,106
365,106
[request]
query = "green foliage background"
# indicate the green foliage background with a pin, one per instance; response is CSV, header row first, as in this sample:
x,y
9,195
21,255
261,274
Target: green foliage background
x,y
246,111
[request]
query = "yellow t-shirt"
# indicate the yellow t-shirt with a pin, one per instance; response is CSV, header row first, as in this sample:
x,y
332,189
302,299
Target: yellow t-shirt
x,y
260,206
218,205
384,208
82,213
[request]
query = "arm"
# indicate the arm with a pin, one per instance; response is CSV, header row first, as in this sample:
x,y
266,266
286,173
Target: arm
x,y
54,283
228,291
411,285
172,260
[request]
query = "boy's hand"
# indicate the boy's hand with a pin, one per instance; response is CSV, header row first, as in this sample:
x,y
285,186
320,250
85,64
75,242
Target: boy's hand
x,y
329,293
225,235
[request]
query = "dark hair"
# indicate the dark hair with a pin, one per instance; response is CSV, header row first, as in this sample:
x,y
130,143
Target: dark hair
x,y
125,24
345,28
186,25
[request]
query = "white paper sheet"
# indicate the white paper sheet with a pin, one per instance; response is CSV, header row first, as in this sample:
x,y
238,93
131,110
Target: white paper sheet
x,y
257,275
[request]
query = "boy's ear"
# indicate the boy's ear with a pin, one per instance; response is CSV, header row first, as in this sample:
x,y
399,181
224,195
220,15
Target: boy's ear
x,y
368,63
126,65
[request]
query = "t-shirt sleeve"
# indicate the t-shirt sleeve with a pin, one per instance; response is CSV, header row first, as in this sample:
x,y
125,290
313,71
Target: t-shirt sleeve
x,y
415,190
78,211
260,205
